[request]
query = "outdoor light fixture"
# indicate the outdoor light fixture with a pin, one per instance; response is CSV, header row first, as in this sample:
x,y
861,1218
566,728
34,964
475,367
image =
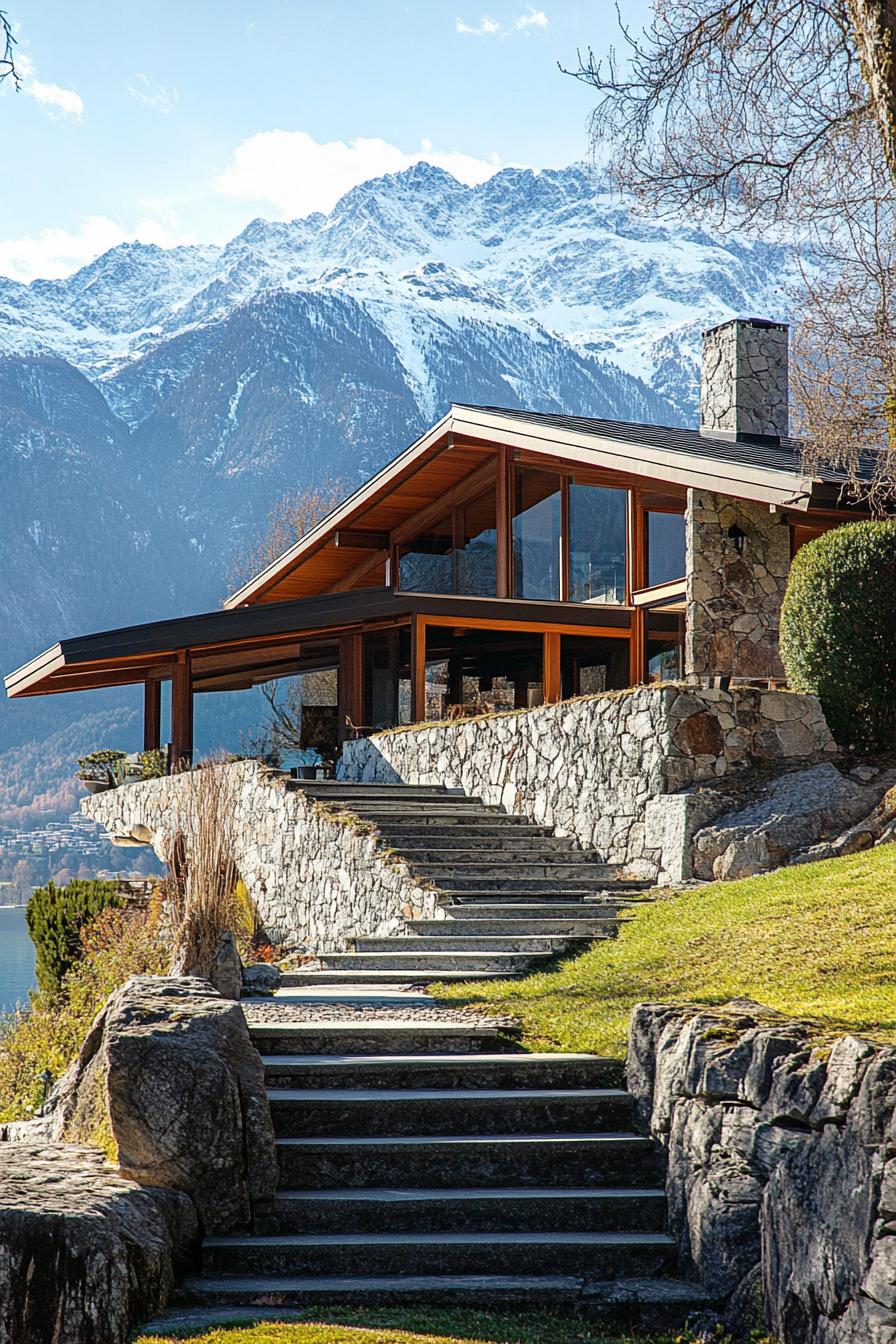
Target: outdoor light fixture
x,y
737,538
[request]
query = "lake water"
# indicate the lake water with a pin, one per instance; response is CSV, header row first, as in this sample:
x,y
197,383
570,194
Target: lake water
x,y
16,957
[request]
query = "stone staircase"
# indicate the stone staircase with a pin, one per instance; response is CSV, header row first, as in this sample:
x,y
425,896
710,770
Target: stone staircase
x,y
515,894
430,1162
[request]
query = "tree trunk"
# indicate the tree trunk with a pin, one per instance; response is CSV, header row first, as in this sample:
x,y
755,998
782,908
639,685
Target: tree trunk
x,y
874,22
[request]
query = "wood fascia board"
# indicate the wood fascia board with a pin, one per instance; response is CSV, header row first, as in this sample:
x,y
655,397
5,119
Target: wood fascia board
x,y
660,592
44,665
740,481
361,499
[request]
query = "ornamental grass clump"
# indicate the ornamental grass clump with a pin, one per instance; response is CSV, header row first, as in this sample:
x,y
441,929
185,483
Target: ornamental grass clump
x,y
201,893
838,631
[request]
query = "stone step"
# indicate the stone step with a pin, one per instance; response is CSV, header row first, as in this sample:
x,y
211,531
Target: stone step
x,y
427,822
509,889
523,942
418,1070
545,1209
445,1161
378,1036
509,858
470,814
623,1302
602,1254
432,963
370,979
561,910
339,789
567,872
472,837
443,930
311,1112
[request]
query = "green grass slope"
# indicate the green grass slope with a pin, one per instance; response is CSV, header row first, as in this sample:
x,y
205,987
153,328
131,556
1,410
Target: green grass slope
x,y
817,941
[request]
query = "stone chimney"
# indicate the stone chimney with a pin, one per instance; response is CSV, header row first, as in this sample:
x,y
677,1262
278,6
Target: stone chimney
x,y
743,383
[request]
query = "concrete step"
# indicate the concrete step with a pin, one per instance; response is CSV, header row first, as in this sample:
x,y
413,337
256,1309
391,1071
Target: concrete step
x,y
602,1254
624,1302
369,979
546,1209
523,942
312,1112
428,822
560,871
469,813
445,1161
432,963
489,1070
379,1037
448,930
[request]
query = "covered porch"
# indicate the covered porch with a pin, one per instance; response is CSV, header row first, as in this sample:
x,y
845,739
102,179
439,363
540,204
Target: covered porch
x,y
396,658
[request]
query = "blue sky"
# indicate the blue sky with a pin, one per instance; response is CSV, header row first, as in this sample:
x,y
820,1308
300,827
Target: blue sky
x,y
181,121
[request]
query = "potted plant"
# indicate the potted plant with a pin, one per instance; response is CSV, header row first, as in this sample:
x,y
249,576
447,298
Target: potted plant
x,y
102,770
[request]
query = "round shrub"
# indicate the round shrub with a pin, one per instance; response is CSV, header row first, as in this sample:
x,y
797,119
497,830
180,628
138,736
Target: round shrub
x,y
838,631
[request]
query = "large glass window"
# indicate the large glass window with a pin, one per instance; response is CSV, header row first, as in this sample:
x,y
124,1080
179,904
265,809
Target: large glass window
x,y
597,530
536,535
458,554
665,548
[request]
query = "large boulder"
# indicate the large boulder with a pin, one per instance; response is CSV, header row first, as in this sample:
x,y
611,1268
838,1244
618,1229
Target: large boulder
x,y
169,1082
784,816
781,1165
85,1255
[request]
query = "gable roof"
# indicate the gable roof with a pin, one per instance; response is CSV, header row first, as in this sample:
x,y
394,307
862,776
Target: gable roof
x,y
769,472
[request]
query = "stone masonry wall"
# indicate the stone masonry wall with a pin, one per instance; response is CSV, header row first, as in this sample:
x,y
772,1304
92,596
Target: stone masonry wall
x,y
781,1173
734,599
592,767
315,879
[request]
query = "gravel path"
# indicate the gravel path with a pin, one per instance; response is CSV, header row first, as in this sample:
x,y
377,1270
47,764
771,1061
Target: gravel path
x,y
317,1010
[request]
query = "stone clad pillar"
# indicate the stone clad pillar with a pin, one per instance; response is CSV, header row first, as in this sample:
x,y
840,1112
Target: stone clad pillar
x,y
743,380
735,586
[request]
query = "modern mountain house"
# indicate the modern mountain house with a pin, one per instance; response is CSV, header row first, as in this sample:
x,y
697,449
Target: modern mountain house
x,y
507,558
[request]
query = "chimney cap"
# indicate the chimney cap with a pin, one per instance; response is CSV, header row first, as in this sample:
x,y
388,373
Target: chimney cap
x,y
763,323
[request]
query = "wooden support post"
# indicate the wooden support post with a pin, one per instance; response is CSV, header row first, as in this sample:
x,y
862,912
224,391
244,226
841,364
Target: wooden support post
x,y
551,667
350,683
182,711
418,670
503,515
152,715
637,667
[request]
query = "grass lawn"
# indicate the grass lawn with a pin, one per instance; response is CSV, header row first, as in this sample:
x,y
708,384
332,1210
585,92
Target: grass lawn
x,y
418,1325
817,940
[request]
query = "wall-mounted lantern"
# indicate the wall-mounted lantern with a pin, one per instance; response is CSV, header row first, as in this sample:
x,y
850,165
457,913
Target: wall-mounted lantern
x,y
737,538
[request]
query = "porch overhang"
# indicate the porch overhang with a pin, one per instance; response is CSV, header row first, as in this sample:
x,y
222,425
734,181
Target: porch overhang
x,y
241,647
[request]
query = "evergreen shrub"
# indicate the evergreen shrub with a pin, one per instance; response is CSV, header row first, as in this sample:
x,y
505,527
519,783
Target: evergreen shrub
x,y
838,631
55,917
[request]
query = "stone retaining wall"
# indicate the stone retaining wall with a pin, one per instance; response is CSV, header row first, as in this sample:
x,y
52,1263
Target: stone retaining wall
x,y
781,1171
315,879
596,767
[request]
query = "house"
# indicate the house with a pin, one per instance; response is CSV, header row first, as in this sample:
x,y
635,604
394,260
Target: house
x,y
535,555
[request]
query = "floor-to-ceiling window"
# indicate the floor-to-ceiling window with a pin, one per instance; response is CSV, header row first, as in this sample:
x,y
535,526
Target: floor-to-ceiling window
x,y
456,554
536,531
597,532
665,548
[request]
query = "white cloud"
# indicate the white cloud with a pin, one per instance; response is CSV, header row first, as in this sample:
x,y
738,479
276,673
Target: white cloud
x,y
144,91
485,28
488,27
298,175
533,18
51,253
59,101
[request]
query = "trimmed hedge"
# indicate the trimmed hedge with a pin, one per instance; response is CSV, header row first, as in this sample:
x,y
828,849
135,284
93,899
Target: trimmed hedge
x,y
55,917
838,631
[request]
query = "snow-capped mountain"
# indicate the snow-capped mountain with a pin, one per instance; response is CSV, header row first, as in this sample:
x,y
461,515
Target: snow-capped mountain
x,y
155,405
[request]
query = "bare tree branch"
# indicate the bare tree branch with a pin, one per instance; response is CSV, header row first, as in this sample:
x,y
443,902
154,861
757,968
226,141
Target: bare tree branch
x,y
8,58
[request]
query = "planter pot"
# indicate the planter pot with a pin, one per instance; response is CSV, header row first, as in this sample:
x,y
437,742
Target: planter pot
x,y
97,785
